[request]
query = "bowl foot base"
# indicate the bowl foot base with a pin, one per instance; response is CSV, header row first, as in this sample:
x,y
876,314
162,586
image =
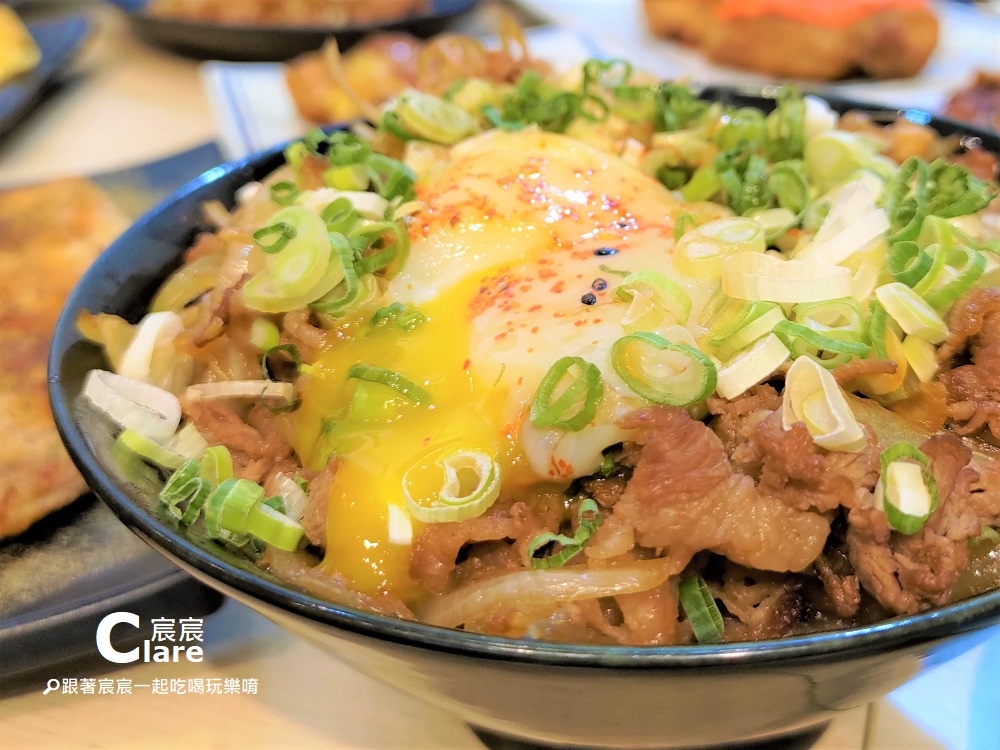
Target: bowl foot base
x,y
799,741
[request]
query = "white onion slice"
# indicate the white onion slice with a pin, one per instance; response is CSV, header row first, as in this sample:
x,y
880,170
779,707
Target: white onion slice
x,y
371,205
858,235
145,408
758,276
293,496
189,442
400,526
751,366
531,589
153,328
240,389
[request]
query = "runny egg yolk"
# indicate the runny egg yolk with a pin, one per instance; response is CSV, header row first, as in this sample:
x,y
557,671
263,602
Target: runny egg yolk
x,y
378,435
504,262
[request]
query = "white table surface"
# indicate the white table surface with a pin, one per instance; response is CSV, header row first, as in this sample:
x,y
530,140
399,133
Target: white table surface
x,y
128,104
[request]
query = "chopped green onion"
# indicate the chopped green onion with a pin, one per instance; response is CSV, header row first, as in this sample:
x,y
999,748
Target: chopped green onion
x,y
701,610
273,527
290,349
685,223
149,450
704,183
922,358
785,126
229,507
691,376
805,341
171,492
347,177
906,488
431,118
787,182
344,297
339,215
913,314
403,316
739,324
216,465
843,316
390,378
700,253
907,263
471,484
588,519
959,268
284,193
264,334
834,156
745,126
576,404
275,237
654,300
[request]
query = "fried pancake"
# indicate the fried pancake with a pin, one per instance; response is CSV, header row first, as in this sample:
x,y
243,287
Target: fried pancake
x,y
809,39
49,235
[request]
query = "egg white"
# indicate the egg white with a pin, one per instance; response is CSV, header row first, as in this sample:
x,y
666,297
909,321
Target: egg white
x,y
502,255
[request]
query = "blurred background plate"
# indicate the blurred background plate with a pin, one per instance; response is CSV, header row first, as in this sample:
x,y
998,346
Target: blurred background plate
x,y
73,567
58,40
206,40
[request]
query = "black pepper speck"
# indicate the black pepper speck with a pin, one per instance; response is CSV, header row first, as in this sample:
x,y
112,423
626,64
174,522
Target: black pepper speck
x,y
599,285
606,251
589,298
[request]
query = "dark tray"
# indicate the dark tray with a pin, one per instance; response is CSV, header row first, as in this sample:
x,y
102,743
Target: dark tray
x,y
61,577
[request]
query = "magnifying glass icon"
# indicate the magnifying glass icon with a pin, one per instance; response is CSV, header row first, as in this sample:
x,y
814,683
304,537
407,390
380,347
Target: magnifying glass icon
x,y
52,684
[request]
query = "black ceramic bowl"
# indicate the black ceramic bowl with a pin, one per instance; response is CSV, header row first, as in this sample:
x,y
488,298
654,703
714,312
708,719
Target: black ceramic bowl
x,y
545,692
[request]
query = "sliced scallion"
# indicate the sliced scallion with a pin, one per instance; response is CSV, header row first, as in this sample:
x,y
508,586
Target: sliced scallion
x,y
588,520
470,485
907,488
701,610
392,379
275,237
685,378
574,406
150,450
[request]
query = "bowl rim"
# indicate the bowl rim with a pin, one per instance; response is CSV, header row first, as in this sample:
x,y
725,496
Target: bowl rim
x,y
898,632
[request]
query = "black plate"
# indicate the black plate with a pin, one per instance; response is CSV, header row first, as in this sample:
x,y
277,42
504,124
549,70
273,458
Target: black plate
x,y
205,40
64,574
58,40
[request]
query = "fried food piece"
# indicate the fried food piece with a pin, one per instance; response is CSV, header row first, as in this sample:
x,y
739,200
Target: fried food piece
x,y
18,51
378,68
49,235
811,39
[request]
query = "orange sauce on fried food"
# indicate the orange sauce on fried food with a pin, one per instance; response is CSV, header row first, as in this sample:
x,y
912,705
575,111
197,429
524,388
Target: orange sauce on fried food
x,y
835,13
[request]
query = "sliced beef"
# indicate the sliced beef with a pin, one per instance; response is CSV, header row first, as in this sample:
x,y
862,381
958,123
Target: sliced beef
x,y
805,476
737,420
314,518
651,618
907,574
304,574
974,388
221,424
764,605
685,497
436,548
840,584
